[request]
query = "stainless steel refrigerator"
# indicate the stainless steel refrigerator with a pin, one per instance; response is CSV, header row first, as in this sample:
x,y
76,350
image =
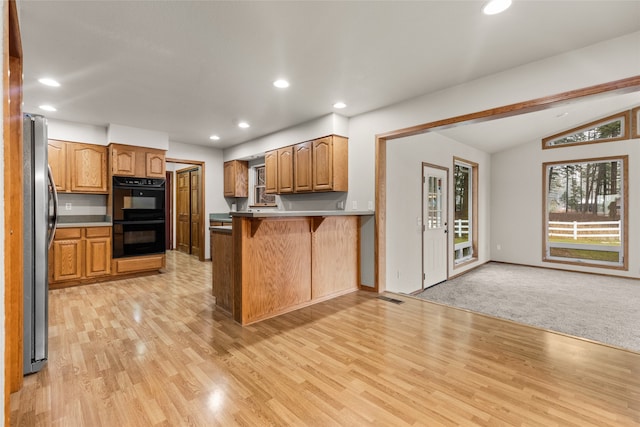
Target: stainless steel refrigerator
x,y
40,218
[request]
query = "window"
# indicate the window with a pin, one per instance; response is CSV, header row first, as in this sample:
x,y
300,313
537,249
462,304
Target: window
x,y
260,197
635,122
612,128
465,224
585,204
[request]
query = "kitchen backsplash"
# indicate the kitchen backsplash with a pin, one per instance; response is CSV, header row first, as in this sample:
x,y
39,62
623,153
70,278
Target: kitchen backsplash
x,y
82,204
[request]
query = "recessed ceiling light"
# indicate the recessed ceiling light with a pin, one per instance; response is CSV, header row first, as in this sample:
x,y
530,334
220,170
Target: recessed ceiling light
x,y
339,105
281,83
214,137
49,82
243,125
47,108
496,6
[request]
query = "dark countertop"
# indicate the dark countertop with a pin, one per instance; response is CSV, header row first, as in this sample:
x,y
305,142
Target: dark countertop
x,y
220,217
71,221
226,229
276,214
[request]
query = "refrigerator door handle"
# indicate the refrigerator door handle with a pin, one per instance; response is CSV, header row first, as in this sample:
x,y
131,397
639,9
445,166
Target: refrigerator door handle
x,y
54,194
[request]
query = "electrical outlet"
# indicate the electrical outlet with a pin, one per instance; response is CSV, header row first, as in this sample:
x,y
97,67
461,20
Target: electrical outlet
x,y
67,206
370,205
354,205
341,205
499,247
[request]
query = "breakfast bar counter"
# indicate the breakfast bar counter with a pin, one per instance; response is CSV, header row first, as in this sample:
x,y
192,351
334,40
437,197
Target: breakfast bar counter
x,y
287,260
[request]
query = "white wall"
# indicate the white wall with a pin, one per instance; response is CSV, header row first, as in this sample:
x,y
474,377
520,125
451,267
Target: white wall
x,y
607,61
77,132
213,178
326,125
404,204
516,205
134,136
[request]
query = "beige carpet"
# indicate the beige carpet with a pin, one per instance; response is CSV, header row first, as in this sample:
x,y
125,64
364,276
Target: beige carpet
x,y
599,308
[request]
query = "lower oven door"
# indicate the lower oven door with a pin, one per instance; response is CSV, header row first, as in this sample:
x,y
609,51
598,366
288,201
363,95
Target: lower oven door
x,y
138,238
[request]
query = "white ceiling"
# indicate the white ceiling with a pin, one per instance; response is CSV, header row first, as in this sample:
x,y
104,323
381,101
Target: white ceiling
x,y
195,68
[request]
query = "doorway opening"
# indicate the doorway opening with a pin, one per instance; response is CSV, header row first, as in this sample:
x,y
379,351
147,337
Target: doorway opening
x,y
185,216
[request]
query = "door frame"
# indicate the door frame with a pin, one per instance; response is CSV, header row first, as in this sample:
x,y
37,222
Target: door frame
x,y
168,210
627,85
13,204
446,218
202,199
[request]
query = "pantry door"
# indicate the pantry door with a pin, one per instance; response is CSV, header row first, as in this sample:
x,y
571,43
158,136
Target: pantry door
x,y
434,225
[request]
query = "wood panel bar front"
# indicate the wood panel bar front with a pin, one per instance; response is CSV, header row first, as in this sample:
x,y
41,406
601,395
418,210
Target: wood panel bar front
x,y
281,264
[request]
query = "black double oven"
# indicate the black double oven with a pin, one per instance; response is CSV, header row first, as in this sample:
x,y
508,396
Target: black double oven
x,y
138,216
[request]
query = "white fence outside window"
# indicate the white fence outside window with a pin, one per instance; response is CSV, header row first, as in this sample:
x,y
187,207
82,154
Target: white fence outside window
x,y
578,230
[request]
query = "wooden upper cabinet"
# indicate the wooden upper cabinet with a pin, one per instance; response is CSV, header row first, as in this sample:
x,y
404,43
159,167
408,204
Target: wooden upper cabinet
x,y
311,166
88,168
78,167
141,162
271,172
330,164
236,178
57,153
123,161
155,166
302,167
285,170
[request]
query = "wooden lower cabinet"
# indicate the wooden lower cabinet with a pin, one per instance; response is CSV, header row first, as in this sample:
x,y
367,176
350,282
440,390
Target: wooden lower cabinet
x,y
285,263
98,251
80,254
222,269
138,264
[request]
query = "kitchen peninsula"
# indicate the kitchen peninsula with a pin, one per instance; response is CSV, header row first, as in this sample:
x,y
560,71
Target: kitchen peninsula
x,y
284,260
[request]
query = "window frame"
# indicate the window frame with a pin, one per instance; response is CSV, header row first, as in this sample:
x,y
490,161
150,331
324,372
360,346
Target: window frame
x,y
624,234
253,178
625,129
473,211
635,123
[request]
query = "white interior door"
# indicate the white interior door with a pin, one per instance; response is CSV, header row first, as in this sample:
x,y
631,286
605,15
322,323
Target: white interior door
x,y
434,220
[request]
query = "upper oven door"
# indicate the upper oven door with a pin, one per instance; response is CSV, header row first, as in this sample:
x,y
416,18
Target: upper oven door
x,y
138,202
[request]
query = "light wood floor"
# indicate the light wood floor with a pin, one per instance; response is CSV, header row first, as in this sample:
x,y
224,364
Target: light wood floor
x,y
153,351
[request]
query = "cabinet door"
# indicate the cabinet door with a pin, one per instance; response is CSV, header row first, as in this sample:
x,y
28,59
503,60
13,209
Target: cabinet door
x,y
155,165
98,251
229,179
285,170
67,259
236,178
195,211
322,164
123,161
88,167
57,152
302,167
271,172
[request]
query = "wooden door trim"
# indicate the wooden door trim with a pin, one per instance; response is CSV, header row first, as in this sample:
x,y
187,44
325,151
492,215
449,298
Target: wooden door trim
x,y
202,197
631,84
13,204
168,210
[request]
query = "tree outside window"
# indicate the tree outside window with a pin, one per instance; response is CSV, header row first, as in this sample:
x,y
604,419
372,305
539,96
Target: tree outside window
x,y
585,219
